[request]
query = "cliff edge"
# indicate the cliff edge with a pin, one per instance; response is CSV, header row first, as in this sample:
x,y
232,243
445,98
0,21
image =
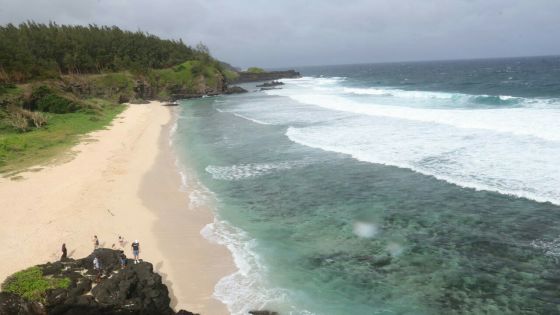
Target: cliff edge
x,y
75,287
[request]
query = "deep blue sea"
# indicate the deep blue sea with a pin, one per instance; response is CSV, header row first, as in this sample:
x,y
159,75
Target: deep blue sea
x,y
398,188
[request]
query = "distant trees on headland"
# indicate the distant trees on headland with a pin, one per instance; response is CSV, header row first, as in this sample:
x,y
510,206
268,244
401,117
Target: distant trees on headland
x,y
36,51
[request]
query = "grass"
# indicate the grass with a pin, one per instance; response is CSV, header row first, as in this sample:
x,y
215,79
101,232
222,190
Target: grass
x,y
21,150
32,285
9,91
255,70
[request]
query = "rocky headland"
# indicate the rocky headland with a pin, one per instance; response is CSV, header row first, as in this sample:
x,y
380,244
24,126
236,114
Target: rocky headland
x,y
136,289
271,84
247,76
75,287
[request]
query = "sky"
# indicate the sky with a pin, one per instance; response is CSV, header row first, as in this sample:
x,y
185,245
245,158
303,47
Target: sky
x,y
284,33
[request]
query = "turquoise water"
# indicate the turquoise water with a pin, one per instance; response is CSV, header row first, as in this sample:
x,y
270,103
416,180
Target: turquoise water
x,y
354,191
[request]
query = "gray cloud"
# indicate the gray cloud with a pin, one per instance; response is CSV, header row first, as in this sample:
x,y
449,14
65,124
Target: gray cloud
x,y
304,32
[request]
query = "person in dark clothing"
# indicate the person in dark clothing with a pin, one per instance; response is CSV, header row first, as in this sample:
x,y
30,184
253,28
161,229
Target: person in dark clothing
x,y
122,258
63,252
136,251
95,241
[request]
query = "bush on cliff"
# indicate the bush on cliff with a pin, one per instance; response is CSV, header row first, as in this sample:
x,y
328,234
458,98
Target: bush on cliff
x,y
32,285
22,120
45,100
185,78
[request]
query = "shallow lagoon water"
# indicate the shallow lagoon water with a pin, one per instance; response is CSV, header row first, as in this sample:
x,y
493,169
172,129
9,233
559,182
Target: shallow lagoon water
x,y
349,210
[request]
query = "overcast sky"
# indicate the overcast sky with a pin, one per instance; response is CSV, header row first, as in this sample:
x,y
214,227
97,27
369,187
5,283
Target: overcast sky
x,y
283,33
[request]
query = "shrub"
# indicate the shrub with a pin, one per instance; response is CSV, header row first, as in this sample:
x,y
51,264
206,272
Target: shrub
x,y
45,100
17,120
53,103
22,120
39,119
32,285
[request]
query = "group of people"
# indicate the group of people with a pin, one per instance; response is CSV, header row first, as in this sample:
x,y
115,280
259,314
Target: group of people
x,y
135,246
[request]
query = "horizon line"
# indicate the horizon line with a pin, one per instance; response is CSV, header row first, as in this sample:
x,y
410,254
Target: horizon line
x,y
411,61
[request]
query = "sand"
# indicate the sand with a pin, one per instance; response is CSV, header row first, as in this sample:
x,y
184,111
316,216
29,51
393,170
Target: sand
x,y
121,181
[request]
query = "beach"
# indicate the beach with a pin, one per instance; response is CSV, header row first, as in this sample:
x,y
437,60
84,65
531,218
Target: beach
x,y
122,181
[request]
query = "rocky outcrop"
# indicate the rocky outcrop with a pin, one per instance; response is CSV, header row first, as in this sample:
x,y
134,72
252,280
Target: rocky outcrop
x,y
270,84
135,290
235,90
14,304
262,313
265,76
203,87
143,90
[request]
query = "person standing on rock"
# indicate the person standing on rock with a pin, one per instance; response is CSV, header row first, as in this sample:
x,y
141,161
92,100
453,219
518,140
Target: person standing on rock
x,y
96,264
63,257
95,242
136,251
122,258
97,268
121,242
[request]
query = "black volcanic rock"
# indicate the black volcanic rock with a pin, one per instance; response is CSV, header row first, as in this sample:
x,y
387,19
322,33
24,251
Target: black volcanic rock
x,y
262,313
270,84
135,290
235,90
14,304
265,76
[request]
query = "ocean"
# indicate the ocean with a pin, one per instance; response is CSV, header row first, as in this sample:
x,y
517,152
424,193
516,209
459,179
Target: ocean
x,y
398,188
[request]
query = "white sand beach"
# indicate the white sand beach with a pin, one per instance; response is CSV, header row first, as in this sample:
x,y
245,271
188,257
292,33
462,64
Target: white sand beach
x,y
120,181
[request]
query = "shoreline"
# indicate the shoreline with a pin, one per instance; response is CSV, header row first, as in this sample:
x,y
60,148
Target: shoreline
x,y
180,219
121,180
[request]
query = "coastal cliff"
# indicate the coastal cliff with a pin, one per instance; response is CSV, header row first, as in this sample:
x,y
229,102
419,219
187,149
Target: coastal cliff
x,y
69,287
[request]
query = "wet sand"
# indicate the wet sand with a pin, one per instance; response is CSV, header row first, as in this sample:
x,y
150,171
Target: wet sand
x,y
196,264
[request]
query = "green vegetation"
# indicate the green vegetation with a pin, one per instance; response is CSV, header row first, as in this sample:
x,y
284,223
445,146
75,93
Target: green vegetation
x,y
44,99
23,149
32,285
58,82
185,77
38,51
255,70
230,75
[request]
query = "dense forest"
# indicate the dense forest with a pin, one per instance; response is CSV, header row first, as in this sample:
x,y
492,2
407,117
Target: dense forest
x,y
39,51
58,82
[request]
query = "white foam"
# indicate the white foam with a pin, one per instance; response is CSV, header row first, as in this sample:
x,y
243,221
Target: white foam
x,y
520,121
172,133
260,122
409,98
549,248
243,171
508,150
247,288
423,95
257,121
520,166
